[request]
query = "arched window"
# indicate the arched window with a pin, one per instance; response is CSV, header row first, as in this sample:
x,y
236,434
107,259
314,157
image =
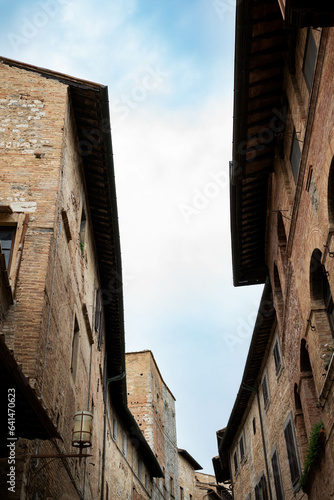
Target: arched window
x,y
330,194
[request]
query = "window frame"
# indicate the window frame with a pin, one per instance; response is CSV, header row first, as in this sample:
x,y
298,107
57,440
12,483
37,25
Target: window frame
x,y
243,441
309,63
75,347
236,461
295,154
266,401
12,228
261,494
278,348
278,483
114,428
294,480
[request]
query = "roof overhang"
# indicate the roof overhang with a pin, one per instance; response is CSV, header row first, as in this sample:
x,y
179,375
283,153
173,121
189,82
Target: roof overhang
x,y
190,459
90,106
303,13
260,48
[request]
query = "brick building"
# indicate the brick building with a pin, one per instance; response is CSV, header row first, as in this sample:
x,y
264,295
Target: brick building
x,y
61,303
282,227
153,407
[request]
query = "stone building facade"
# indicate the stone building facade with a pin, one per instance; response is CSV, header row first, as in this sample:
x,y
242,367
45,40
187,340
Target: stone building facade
x,y
61,304
282,225
153,407
195,485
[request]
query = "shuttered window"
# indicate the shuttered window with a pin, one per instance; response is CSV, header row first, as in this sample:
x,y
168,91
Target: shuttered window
x,y
277,476
310,58
242,447
295,155
235,460
7,239
277,356
265,391
261,492
292,452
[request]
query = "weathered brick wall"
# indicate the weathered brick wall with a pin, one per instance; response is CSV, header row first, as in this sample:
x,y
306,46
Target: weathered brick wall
x,y
122,475
186,477
273,420
153,406
308,214
208,479
41,175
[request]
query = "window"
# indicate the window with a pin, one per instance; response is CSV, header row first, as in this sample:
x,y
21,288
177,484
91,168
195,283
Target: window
x,y
171,486
75,348
291,449
265,392
181,493
98,317
114,428
242,448
277,476
295,155
254,426
124,444
235,461
7,236
83,224
139,468
146,481
310,58
277,356
190,497
261,492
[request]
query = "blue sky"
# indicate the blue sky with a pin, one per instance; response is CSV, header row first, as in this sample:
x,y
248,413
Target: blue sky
x,y
169,70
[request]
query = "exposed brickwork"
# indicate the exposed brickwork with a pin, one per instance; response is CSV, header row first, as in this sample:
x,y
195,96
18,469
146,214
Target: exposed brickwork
x,y
55,284
304,325
153,406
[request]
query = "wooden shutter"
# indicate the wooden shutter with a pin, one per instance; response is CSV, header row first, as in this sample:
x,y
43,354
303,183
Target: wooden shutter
x,y
310,59
277,356
292,453
277,477
265,390
242,448
295,156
